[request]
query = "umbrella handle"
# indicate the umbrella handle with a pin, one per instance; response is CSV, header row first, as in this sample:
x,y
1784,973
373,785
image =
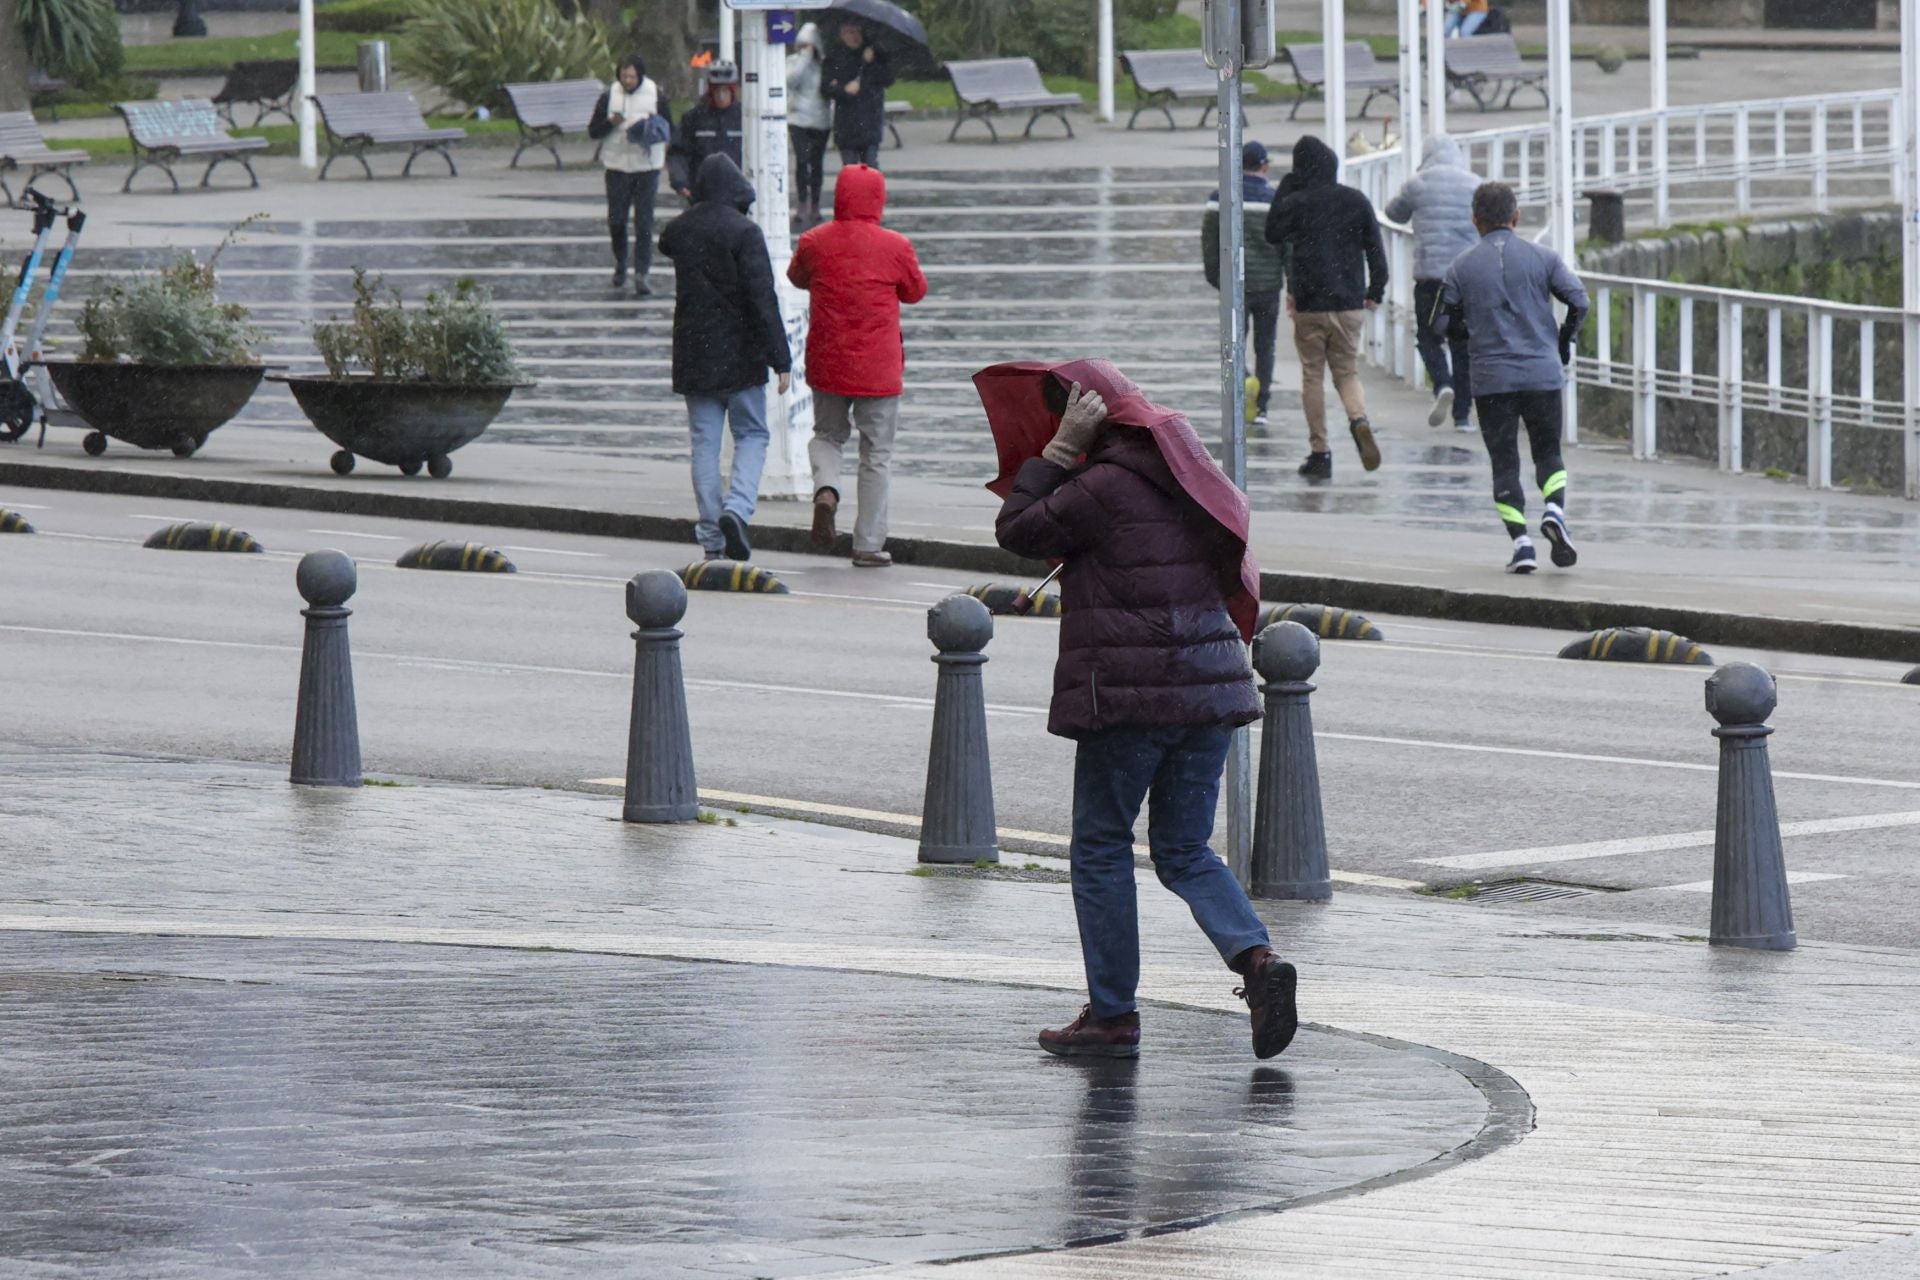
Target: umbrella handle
x,y
1024,601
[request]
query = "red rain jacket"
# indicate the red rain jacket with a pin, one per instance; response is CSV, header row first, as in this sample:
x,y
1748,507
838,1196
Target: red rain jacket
x,y
858,273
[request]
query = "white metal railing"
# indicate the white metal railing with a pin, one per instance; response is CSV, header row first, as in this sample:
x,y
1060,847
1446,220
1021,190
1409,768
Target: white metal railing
x,y
1722,347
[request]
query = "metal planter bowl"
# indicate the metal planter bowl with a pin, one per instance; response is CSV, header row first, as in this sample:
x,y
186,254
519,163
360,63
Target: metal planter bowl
x,y
408,425
154,406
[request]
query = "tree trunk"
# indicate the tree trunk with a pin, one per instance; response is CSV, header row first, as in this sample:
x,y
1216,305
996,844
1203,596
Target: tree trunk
x,y
16,64
667,34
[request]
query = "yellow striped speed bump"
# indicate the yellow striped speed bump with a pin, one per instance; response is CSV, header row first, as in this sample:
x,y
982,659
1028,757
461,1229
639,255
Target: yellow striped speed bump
x,y
13,522
203,535
459,557
1638,644
731,575
999,598
1323,620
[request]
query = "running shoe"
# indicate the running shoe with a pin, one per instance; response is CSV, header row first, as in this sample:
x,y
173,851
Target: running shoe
x,y
1553,527
1442,407
1524,561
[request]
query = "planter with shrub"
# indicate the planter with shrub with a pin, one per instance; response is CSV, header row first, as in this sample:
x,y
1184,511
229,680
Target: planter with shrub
x,y
406,388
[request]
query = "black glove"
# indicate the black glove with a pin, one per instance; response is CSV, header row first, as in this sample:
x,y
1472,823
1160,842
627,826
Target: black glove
x,y
1566,349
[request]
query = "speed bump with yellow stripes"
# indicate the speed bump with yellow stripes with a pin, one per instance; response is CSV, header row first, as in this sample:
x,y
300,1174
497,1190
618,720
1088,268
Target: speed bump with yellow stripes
x,y
1323,620
999,598
1638,644
13,522
203,535
456,557
731,575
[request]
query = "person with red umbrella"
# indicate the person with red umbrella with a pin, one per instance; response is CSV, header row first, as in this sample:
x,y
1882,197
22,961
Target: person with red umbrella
x,y
1159,598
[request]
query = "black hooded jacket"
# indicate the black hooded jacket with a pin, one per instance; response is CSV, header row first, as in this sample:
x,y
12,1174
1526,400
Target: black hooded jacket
x,y
1327,234
727,329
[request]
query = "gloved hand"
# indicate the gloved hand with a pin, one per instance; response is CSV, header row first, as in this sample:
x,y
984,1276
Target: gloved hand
x,y
1079,427
1566,349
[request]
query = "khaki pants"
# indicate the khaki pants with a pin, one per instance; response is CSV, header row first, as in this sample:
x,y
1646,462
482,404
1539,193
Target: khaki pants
x,y
834,419
1328,340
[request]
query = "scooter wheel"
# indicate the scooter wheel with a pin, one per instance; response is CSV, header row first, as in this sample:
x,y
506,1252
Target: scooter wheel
x,y
439,466
410,468
184,447
342,462
95,443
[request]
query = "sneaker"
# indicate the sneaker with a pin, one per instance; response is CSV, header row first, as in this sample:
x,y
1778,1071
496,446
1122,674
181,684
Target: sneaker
x,y
642,287
734,530
1260,418
1553,527
620,278
825,503
1523,560
1090,1037
1318,466
872,560
1466,426
713,555
1253,394
1269,994
1363,439
1442,407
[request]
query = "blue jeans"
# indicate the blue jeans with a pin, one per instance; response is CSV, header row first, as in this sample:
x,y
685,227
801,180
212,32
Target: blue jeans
x,y
745,412
1464,24
1177,771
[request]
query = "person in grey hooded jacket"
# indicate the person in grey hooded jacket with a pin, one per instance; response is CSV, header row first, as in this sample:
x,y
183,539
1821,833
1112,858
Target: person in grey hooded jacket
x,y
1438,202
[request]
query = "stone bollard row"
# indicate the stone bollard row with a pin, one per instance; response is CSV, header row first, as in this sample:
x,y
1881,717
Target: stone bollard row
x,y
956,818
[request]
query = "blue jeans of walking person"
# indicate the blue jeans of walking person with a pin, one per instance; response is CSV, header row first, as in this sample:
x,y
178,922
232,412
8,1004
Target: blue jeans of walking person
x,y
1177,773
745,414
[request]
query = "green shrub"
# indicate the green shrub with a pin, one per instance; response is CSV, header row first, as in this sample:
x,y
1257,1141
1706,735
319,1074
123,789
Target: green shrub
x,y
366,17
470,48
77,40
453,337
173,317
1057,34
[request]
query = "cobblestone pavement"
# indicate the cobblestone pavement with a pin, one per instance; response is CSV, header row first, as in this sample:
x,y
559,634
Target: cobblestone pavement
x,y
1697,1111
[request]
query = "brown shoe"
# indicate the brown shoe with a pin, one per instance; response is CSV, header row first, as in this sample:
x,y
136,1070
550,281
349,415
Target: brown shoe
x,y
1369,448
871,560
1269,993
1090,1037
825,503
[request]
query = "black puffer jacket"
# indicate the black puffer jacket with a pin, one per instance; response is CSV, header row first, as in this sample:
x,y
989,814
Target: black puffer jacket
x,y
1145,637
727,329
1327,234
859,119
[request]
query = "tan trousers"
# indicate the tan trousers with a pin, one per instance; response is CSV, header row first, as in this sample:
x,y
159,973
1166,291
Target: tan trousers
x,y
1328,340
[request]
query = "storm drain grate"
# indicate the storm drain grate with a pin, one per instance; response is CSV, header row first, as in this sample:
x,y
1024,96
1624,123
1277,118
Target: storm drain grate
x,y
1533,891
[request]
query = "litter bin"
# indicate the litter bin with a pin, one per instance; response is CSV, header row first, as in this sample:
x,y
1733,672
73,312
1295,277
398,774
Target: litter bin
x,y
1607,221
373,66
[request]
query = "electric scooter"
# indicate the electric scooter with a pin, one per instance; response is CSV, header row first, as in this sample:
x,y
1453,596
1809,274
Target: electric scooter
x,y
26,390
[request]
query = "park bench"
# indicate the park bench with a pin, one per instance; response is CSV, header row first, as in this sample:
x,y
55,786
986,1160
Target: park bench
x,y
22,147
895,107
1484,65
992,85
549,111
41,85
164,133
358,122
265,84
1309,62
1162,77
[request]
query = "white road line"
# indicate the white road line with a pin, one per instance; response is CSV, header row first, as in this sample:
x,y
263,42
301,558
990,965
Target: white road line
x,y
1657,844
1706,886
549,551
27,506
350,533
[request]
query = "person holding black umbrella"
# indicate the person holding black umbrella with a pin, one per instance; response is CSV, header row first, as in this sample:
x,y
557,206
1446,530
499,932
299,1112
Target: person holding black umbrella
x,y
856,78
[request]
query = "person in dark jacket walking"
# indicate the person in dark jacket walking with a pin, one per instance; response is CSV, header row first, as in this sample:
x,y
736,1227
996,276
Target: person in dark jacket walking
x,y
1502,292
1438,202
711,127
1263,276
633,170
856,78
1152,680
1336,264
727,333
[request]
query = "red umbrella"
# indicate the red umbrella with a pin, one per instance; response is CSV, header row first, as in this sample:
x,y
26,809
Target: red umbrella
x,y
1017,413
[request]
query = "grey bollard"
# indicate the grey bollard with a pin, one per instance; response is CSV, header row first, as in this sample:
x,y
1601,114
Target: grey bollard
x,y
660,785
1751,907
326,729
956,822
1289,832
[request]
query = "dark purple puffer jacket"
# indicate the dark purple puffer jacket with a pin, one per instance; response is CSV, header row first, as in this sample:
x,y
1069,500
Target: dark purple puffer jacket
x,y
1145,637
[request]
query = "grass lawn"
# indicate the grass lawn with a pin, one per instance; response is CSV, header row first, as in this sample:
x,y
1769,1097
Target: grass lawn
x,y
284,140
333,49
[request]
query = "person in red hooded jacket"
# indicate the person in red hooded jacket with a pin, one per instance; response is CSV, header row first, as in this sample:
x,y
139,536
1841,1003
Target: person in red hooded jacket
x,y
858,273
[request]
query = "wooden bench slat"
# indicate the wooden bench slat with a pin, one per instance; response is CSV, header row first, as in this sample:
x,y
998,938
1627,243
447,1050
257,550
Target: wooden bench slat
x,y
167,130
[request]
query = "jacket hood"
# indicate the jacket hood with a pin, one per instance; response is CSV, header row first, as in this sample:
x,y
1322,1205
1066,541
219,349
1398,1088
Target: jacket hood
x,y
719,180
808,34
1314,163
1014,396
859,194
1441,152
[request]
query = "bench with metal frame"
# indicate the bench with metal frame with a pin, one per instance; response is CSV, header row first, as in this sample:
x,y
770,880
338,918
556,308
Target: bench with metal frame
x,y
267,84
1164,77
42,85
358,122
1485,65
992,85
547,111
23,147
164,133
1309,62
895,107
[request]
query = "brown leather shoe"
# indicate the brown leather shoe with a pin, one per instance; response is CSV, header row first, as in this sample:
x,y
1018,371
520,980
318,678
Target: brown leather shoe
x,y
825,503
1363,440
1269,993
1090,1037
871,559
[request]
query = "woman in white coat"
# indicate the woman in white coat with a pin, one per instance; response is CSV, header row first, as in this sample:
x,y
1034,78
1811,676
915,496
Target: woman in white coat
x,y
633,169
809,118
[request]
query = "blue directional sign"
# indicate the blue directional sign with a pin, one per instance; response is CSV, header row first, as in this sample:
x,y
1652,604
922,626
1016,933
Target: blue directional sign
x,y
780,26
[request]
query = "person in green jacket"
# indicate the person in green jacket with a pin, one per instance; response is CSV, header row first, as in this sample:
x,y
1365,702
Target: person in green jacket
x,y
1264,274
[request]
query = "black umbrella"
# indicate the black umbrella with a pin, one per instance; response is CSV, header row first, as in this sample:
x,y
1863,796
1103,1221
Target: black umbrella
x,y
879,12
